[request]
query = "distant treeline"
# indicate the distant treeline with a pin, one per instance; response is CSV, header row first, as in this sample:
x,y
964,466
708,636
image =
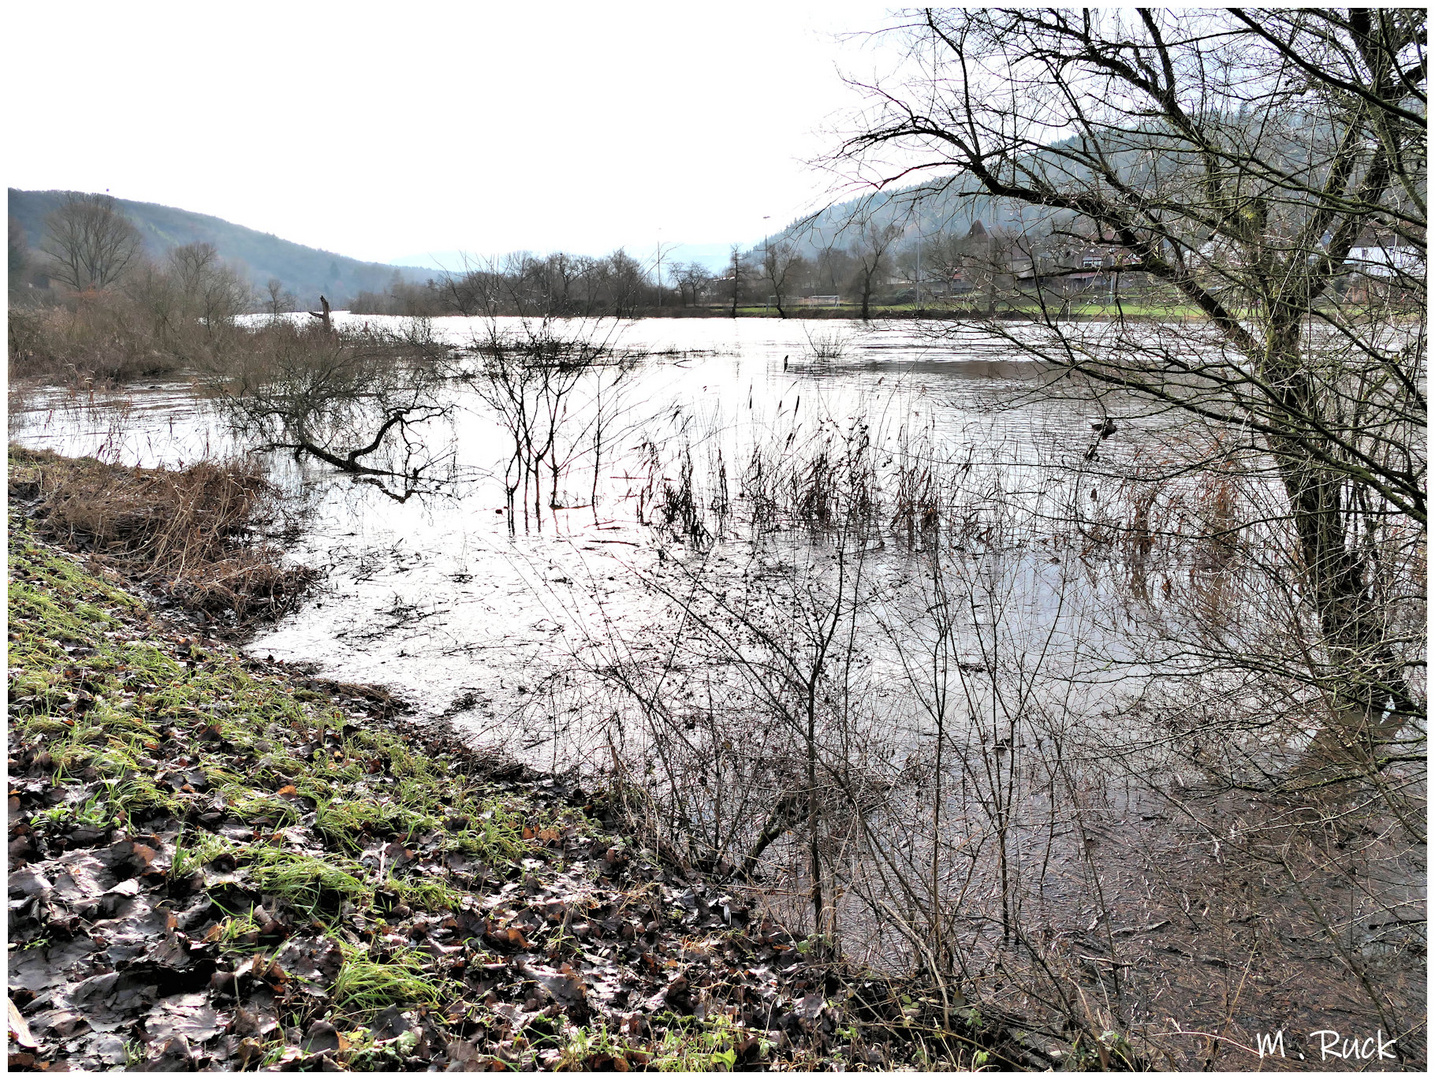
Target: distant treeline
x,y
877,264
875,267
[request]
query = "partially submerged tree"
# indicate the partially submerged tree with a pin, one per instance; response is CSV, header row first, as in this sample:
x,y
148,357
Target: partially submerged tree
x,y
88,242
353,399
533,376
1266,172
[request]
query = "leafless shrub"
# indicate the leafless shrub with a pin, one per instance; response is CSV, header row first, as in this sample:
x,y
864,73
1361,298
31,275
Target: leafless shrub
x,y
940,758
825,346
154,319
555,391
101,338
357,399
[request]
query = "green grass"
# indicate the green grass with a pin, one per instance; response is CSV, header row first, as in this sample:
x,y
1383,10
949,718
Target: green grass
x,y
428,893
91,687
347,822
308,882
366,986
693,1046
196,849
94,685
264,809
494,833
236,925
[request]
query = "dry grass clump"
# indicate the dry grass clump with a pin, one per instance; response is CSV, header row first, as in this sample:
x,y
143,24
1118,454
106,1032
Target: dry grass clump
x,y
99,339
196,534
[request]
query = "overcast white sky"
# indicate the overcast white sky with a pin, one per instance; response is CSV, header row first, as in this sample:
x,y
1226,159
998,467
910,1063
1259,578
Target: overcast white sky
x,y
387,131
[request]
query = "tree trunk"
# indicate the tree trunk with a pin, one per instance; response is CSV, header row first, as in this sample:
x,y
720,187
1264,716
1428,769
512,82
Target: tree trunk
x,y
323,316
1369,693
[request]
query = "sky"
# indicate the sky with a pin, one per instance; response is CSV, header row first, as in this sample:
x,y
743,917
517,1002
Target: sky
x,y
393,132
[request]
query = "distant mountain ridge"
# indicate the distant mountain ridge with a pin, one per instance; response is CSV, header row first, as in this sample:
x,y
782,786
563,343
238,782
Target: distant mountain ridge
x,y
947,204
306,272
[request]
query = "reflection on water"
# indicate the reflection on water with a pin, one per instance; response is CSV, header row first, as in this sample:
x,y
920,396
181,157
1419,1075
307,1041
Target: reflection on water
x,y
439,599
1025,804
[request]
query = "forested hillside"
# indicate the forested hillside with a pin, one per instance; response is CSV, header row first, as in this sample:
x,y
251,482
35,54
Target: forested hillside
x,y
304,271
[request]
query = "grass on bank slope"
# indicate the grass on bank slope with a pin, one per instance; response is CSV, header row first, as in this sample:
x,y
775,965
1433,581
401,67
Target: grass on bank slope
x,y
218,863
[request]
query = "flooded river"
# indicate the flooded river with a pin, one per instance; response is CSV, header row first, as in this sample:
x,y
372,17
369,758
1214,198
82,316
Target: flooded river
x,y
439,598
908,570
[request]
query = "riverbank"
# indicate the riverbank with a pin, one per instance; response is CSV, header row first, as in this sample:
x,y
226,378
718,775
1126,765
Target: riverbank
x,y
217,862
1083,312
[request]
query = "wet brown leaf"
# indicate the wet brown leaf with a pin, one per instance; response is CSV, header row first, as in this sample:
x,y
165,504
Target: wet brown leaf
x,y
322,1036
249,1050
28,882
316,961
257,1016
185,1015
79,879
174,1056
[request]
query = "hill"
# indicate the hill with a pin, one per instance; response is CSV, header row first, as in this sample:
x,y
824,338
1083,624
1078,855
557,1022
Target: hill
x,y
950,203
941,205
306,272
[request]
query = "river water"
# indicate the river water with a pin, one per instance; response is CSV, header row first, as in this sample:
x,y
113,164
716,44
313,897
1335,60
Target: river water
x,y
1073,797
440,599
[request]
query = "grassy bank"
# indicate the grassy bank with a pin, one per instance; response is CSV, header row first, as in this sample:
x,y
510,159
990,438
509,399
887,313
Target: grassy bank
x,y
222,863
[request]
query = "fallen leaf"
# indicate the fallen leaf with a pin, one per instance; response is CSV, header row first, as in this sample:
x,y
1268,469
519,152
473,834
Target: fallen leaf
x,y
322,1036
28,882
185,1015
810,1007
19,1030
175,1056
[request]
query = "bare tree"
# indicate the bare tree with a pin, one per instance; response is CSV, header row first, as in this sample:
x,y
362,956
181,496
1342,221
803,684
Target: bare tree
x,y
1240,161
475,290
18,256
780,263
736,280
151,288
623,280
88,242
871,255
210,290
530,377
279,299
357,400
692,280
832,269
